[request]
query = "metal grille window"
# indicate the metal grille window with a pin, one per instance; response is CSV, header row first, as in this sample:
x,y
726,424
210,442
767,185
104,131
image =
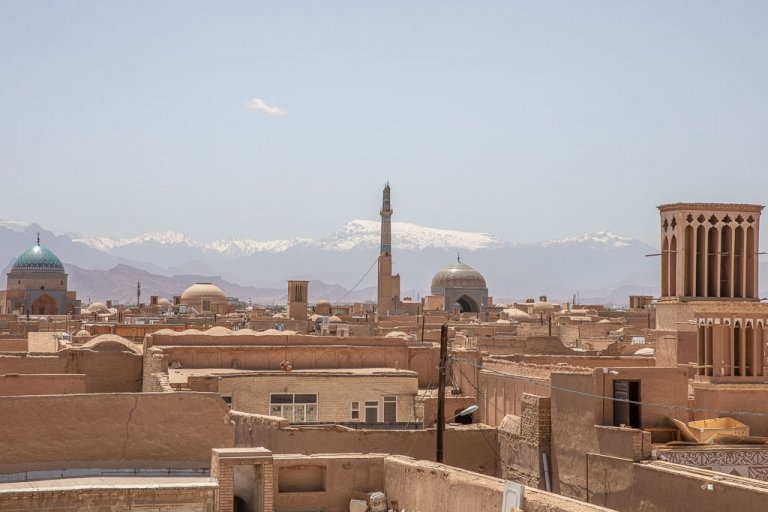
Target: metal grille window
x,y
390,409
295,407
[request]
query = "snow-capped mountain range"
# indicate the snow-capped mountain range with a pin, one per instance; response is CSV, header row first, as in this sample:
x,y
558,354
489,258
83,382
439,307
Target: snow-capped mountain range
x,y
353,235
595,264
601,238
356,234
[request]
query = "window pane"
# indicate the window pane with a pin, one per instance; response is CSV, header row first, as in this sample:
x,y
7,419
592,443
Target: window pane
x,y
306,399
281,399
298,413
390,411
371,412
355,414
311,413
390,399
276,410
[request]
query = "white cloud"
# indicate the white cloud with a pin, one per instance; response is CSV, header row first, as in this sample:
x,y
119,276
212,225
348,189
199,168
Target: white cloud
x,y
260,105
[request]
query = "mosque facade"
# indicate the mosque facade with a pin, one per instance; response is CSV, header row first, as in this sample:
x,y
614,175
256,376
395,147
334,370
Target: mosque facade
x,y
37,285
458,285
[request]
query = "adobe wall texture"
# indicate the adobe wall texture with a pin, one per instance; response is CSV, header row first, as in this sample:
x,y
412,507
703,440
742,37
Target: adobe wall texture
x,y
421,359
297,476
714,400
524,439
578,406
17,384
471,447
581,361
523,345
426,487
105,371
13,345
74,498
126,430
660,487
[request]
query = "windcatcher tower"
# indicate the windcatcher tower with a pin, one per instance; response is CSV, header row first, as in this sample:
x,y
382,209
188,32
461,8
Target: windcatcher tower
x,y
709,251
710,299
389,285
298,293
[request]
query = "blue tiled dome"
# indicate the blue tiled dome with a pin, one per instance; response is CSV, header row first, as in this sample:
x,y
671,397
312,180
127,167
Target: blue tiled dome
x,y
38,257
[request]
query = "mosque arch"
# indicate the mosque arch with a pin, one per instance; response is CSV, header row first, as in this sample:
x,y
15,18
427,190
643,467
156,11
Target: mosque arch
x,y
44,305
467,304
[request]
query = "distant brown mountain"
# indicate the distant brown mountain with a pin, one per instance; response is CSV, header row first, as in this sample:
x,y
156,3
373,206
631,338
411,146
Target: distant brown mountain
x,y
119,285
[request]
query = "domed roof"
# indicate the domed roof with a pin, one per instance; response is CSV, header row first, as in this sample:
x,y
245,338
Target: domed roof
x,y
200,291
97,307
164,302
516,313
458,275
541,305
38,258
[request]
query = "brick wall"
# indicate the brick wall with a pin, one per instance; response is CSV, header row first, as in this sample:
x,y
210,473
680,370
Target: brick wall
x,y
335,393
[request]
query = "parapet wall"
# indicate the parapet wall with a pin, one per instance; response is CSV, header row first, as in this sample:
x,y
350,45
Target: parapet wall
x,y
421,358
471,447
16,384
106,371
428,487
121,430
582,361
222,337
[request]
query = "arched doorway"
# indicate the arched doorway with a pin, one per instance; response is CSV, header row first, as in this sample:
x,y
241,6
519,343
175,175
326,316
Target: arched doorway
x,y
44,305
467,304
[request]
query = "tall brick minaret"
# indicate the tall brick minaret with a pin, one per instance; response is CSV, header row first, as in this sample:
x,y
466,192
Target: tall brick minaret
x,y
389,285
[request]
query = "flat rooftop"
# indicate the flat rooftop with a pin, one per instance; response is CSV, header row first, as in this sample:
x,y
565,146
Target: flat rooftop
x,y
181,375
107,482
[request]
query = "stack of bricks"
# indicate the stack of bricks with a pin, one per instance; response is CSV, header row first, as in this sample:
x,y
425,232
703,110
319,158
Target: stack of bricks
x,y
536,420
525,439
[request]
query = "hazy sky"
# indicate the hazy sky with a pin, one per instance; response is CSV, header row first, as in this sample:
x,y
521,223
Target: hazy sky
x,y
529,120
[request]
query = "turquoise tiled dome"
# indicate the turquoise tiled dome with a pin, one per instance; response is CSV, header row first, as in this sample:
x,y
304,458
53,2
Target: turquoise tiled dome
x,y
38,257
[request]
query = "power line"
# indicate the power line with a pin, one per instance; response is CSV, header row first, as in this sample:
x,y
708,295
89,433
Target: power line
x,y
361,279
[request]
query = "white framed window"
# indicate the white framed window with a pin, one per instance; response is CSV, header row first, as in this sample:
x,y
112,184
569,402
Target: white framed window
x,y
295,407
372,411
390,409
355,411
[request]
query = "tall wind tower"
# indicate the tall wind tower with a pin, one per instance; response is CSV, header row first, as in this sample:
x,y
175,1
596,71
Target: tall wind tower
x,y
389,285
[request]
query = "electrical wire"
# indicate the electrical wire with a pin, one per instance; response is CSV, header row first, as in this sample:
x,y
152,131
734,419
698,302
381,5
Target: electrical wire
x,y
361,280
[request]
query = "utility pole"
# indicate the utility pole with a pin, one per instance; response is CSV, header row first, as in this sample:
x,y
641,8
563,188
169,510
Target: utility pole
x,y
441,392
138,294
423,321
